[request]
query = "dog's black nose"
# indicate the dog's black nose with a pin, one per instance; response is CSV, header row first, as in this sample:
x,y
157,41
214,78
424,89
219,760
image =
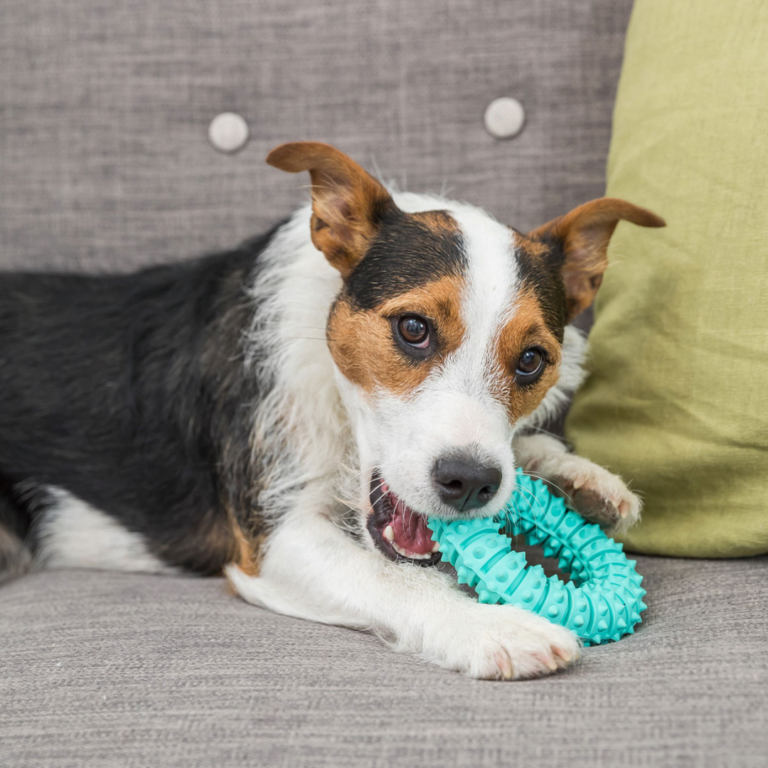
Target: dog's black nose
x,y
464,484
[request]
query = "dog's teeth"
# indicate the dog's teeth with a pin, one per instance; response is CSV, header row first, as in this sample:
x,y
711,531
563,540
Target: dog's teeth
x,y
389,534
436,547
410,555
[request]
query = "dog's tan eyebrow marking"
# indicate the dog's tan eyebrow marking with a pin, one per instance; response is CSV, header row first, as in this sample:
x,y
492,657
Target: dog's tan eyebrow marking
x,y
361,341
526,328
440,222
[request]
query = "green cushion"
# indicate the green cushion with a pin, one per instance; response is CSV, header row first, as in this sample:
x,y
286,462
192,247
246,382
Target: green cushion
x,y
677,397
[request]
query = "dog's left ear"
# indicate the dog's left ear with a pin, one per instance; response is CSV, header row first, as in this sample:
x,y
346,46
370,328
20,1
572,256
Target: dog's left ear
x,y
347,203
584,234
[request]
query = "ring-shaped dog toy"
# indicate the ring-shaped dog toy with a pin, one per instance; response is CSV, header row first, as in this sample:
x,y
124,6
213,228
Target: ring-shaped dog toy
x,y
602,602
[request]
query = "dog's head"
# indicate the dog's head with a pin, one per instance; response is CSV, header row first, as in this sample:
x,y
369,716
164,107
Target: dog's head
x,y
447,333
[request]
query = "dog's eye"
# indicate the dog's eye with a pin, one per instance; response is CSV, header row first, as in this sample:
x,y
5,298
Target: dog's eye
x,y
414,330
530,365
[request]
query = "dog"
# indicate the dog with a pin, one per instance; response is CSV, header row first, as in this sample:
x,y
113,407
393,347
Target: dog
x,y
288,412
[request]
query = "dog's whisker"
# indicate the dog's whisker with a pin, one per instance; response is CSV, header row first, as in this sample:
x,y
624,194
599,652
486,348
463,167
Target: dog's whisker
x,y
532,496
378,488
547,481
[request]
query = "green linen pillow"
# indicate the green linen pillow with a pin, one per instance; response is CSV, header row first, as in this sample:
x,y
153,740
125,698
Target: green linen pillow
x,y
676,401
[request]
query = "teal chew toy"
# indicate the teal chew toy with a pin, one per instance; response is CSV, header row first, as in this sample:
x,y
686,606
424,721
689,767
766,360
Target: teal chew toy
x,y
603,601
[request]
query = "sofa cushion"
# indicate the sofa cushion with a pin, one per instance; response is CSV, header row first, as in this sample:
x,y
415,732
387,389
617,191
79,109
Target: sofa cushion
x,y
105,157
105,669
677,401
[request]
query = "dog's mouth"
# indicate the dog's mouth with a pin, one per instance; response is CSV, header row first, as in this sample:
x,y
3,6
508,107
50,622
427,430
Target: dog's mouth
x,y
398,531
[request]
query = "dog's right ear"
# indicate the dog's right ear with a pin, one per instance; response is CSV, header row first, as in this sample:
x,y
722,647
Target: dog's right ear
x,y
347,203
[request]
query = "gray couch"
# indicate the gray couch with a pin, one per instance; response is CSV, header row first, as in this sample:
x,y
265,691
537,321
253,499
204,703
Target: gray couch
x,y
105,164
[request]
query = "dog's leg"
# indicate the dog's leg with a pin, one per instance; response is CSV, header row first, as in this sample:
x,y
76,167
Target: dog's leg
x,y
313,570
594,491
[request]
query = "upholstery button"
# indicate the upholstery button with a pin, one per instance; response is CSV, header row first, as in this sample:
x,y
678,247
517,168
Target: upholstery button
x,y
228,132
504,117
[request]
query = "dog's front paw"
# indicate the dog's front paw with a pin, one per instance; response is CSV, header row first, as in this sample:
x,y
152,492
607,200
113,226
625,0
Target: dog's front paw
x,y
500,642
595,493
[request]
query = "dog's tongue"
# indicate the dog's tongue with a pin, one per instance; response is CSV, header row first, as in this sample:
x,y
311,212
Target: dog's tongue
x,y
410,529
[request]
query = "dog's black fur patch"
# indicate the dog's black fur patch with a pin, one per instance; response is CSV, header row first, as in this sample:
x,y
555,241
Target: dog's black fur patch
x,y
405,254
129,392
544,275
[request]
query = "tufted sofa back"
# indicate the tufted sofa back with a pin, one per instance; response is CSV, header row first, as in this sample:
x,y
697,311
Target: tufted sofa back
x,y
105,161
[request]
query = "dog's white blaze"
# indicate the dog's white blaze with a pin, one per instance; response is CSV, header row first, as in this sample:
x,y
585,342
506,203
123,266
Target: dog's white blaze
x,y
486,305
76,535
492,281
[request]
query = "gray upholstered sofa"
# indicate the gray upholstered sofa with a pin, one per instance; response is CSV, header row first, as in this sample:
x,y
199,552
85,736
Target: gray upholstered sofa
x,y
105,164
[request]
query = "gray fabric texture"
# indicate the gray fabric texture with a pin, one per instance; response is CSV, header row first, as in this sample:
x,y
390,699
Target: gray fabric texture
x,y
105,669
105,165
105,107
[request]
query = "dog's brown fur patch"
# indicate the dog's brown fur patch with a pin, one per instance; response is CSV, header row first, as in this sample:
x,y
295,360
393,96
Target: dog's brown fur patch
x,y
533,249
438,221
247,556
527,328
363,347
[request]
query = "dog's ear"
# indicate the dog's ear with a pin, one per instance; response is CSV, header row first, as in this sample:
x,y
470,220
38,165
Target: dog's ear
x,y
583,235
347,203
